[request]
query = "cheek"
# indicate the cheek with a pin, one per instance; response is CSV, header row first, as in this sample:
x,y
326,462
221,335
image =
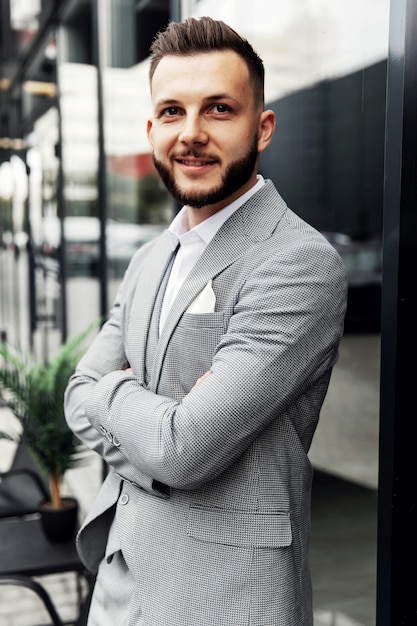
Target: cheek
x,y
240,138
162,141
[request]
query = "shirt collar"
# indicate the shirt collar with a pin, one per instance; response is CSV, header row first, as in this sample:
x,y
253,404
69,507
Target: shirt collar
x,y
206,230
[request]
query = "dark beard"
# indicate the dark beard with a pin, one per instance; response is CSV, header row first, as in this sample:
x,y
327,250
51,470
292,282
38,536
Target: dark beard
x,y
237,174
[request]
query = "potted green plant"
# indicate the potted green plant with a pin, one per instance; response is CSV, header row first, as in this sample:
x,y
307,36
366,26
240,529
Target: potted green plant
x,y
34,391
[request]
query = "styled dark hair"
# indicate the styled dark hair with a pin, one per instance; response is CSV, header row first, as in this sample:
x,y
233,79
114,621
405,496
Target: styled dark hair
x,y
204,34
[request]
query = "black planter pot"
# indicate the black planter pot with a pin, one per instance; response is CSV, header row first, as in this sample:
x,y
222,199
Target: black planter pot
x,y
59,525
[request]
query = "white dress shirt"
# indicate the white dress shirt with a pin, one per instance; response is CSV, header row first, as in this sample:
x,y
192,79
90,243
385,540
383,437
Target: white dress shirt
x,y
193,242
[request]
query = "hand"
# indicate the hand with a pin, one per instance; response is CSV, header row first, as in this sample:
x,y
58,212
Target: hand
x,y
129,371
203,377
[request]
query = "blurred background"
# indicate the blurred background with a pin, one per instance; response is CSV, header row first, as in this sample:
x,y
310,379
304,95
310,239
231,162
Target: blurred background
x,y
78,189
79,194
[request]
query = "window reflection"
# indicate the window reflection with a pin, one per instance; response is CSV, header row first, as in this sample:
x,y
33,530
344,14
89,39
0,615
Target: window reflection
x,y
303,42
139,206
81,223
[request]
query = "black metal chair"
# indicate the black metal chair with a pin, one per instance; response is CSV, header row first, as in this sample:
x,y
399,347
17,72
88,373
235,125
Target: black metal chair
x,y
25,551
46,600
22,487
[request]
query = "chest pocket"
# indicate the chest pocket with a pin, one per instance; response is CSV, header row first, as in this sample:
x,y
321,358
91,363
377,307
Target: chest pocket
x,y
193,345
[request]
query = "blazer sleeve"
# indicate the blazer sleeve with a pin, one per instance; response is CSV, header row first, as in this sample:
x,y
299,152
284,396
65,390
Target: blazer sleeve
x,y
281,340
105,355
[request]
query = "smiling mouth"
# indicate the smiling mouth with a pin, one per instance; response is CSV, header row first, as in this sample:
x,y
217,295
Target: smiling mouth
x,y
194,161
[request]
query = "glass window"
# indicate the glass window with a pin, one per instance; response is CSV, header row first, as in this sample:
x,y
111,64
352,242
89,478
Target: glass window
x,y
80,162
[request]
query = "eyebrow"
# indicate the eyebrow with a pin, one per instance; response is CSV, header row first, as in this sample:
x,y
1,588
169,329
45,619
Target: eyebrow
x,y
220,96
176,102
166,102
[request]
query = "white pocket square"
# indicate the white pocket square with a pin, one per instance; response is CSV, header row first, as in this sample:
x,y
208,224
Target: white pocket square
x,y
204,302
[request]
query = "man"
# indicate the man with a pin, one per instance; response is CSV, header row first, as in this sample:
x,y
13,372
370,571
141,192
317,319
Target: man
x,y
203,390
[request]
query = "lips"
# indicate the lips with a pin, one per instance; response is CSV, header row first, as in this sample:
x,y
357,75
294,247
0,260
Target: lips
x,y
195,160
193,163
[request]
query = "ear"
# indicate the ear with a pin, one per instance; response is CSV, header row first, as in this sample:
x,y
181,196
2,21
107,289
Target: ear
x,y
267,125
149,132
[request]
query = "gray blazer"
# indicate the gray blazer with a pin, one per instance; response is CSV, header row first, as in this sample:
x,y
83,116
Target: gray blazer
x,y
215,520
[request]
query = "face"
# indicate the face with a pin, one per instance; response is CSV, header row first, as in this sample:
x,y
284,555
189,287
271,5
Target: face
x,y
206,131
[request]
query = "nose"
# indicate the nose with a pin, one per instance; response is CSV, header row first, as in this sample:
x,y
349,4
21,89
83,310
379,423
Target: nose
x,y
193,131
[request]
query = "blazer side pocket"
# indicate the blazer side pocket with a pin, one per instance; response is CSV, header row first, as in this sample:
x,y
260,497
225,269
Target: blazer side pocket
x,y
236,528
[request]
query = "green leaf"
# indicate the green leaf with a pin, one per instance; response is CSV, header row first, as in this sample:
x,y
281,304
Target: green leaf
x,y
34,392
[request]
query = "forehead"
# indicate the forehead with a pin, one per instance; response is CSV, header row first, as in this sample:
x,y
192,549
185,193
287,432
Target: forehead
x,y
206,72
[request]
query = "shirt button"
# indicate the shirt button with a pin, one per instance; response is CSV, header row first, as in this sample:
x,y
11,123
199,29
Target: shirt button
x,y
124,499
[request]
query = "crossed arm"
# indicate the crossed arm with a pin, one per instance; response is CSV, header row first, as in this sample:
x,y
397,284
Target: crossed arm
x,y
279,344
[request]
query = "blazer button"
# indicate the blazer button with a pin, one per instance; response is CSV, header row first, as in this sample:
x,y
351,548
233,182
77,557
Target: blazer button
x,y
124,498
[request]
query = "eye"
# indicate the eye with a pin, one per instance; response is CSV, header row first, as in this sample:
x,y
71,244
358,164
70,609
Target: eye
x,y
170,112
220,108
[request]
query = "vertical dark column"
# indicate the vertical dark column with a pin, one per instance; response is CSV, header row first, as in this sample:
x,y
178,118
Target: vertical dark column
x,y
101,177
397,515
61,206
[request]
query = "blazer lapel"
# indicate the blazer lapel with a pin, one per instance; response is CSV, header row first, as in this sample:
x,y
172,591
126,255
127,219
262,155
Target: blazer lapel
x,y
155,265
254,221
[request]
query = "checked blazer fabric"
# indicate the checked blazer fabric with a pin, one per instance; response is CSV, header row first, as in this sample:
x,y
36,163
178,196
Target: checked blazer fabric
x,y
217,479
